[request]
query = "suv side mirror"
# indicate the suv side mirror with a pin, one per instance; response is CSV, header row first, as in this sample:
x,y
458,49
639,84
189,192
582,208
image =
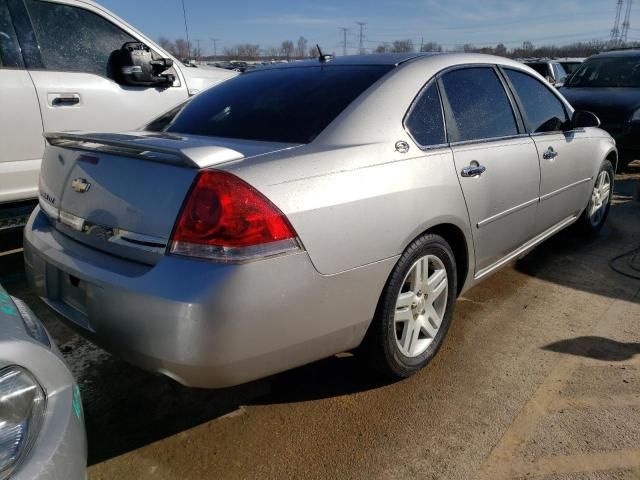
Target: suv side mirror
x,y
584,119
134,65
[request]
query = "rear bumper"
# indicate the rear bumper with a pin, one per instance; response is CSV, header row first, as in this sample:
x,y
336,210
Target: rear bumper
x,y
202,323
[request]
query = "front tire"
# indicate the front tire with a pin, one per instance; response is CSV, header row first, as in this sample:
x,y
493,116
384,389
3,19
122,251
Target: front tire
x,y
415,309
597,210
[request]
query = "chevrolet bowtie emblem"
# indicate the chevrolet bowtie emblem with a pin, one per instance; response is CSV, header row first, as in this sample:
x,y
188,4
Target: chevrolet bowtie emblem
x,y
80,185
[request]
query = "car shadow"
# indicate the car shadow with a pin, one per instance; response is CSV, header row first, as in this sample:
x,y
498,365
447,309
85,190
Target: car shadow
x,y
598,348
574,260
127,408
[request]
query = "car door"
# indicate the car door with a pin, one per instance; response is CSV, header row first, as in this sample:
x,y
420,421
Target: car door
x,y
565,174
21,132
497,163
69,49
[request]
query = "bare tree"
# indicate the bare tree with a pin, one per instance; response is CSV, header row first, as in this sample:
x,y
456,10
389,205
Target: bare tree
x,y
301,48
168,45
182,49
431,47
400,46
287,49
313,52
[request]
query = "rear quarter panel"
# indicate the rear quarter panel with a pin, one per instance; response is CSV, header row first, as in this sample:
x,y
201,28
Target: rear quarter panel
x,y
357,205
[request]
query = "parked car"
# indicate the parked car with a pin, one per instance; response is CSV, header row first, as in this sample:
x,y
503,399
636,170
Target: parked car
x,y
42,432
551,70
306,209
570,65
53,80
608,84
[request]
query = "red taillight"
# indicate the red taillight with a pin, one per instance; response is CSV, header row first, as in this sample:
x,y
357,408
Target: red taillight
x,y
224,218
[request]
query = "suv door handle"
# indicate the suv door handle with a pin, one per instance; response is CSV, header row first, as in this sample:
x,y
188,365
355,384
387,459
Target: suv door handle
x,y
64,100
473,170
550,154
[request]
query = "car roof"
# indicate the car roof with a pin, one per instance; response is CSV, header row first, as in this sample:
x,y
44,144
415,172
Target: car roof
x,y
630,52
390,59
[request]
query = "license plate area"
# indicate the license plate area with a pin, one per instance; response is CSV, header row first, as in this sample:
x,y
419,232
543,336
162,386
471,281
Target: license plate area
x,y
73,292
68,295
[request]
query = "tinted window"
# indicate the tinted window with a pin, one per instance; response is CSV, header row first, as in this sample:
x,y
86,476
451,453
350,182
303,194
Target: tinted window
x,y
9,49
425,121
291,105
479,105
74,39
608,72
544,111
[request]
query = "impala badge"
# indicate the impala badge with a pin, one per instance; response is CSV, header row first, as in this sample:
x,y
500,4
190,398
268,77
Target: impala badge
x,y
80,185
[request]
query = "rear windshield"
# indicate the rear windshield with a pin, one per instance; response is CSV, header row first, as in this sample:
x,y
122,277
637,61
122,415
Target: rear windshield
x,y
290,105
541,68
608,72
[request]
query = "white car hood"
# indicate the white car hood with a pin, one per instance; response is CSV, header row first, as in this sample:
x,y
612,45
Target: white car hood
x,y
202,78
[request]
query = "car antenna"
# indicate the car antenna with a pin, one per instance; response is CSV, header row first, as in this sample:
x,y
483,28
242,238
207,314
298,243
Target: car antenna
x,y
322,57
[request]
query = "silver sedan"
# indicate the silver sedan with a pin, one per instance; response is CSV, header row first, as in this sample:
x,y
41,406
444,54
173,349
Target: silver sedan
x,y
307,209
42,434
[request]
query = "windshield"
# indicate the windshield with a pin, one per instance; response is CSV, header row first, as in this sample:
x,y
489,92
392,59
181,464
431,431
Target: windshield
x,y
608,72
288,105
570,67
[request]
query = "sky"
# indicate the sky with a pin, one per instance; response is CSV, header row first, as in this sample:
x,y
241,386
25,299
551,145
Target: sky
x,y
448,22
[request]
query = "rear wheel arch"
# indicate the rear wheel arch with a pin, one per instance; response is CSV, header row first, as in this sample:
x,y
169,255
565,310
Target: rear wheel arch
x,y
457,240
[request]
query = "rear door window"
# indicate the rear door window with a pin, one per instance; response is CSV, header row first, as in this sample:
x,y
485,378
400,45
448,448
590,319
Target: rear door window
x,y
425,121
73,39
479,105
543,111
289,105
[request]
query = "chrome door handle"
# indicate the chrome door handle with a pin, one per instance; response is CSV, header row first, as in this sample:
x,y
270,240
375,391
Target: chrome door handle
x,y
473,170
550,154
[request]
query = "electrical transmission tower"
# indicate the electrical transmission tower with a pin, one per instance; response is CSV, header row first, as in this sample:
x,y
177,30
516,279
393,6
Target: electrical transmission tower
x,y
626,23
344,39
615,31
362,25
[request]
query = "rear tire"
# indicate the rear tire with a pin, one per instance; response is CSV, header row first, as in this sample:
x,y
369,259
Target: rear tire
x,y
415,309
595,214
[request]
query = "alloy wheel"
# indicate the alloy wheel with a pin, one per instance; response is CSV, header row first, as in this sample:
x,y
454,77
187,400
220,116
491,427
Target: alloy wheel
x,y
600,198
421,306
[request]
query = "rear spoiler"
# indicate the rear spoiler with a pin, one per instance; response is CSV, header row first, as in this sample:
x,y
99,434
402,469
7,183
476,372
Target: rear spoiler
x,y
110,143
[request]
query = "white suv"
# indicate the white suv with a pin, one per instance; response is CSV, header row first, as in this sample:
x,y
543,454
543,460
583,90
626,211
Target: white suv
x,y
59,71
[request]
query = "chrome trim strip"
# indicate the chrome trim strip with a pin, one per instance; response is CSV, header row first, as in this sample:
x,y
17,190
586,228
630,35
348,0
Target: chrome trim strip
x,y
511,210
527,246
147,243
489,140
547,196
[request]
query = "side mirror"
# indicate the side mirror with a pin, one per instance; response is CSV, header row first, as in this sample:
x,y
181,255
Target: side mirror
x,y
550,79
134,65
584,119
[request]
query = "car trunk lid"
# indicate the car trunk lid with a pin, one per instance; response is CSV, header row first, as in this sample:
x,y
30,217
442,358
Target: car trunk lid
x,y
121,193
